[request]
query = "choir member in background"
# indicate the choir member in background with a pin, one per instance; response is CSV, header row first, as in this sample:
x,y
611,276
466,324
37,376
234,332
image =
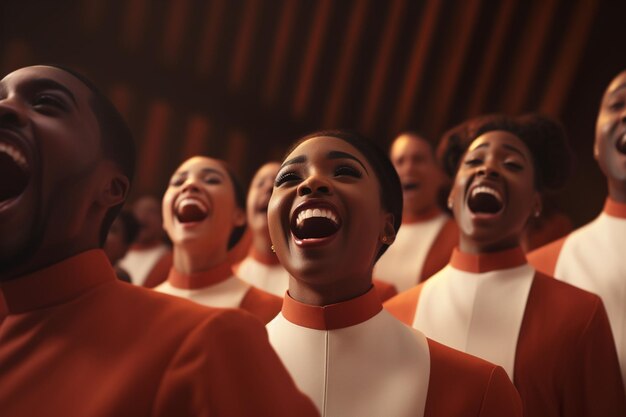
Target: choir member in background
x,y
74,340
428,235
149,249
261,268
592,257
121,236
553,339
204,213
336,207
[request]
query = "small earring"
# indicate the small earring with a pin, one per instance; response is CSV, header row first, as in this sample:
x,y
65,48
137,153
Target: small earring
x,y
272,248
537,213
385,240
450,204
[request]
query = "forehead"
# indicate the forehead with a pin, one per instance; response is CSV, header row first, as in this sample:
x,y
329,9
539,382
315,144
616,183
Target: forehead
x,y
199,163
618,83
320,146
32,75
269,169
405,144
147,203
497,140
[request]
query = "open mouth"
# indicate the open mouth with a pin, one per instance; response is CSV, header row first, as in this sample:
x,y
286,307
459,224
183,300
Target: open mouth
x,y
410,186
191,210
621,144
14,171
315,223
485,200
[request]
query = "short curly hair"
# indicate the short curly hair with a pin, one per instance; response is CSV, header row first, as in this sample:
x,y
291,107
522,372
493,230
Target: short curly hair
x,y
545,138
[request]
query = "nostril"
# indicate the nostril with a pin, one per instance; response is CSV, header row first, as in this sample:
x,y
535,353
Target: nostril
x,y
304,190
323,189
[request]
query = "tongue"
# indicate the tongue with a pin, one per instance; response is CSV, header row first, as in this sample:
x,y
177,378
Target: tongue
x,y
315,227
191,213
14,179
484,203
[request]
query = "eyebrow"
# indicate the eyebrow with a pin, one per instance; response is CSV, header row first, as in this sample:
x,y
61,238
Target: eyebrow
x,y
505,145
616,90
297,160
344,155
203,170
49,84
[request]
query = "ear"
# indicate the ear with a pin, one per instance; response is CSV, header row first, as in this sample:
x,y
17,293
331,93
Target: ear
x,y
450,201
239,217
596,151
114,190
388,234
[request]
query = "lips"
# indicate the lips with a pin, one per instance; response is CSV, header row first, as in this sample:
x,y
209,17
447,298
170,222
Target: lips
x,y
191,210
484,199
410,186
315,221
15,171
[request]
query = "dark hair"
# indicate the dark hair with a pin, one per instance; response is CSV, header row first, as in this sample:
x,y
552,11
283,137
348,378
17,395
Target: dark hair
x,y
117,140
545,138
390,188
240,201
131,226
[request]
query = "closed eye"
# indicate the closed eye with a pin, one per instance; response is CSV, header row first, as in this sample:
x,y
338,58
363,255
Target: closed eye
x,y
213,179
514,166
286,177
473,162
346,170
48,101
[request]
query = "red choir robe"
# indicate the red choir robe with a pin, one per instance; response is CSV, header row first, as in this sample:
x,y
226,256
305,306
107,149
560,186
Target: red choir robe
x,y
76,342
421,249
354,359
553,339
144,264
218,287
592,258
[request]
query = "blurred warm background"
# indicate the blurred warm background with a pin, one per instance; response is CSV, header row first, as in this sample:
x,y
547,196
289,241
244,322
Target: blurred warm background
x,y
241,79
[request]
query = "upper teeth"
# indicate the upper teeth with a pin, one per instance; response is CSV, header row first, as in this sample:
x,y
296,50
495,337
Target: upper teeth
x,y
14,153
316,212
487,190
192,202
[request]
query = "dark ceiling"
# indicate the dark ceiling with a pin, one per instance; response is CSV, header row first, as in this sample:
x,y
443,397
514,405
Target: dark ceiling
x,y
241,79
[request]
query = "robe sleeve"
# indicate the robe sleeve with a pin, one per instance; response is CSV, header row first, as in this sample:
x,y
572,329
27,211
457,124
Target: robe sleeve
x,y
593,382
545,258
226,367
501,397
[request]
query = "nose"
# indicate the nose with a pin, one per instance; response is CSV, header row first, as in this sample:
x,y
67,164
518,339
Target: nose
x,y
190,185
315,184
12,113
487,171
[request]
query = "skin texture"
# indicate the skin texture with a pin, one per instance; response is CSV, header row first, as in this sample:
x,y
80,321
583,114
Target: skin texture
x,y
341,267
610,127
256,207
71,185
147,211
419,173
500,160
201,245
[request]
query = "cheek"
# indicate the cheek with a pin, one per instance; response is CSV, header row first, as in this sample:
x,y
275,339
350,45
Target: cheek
x,y
166,210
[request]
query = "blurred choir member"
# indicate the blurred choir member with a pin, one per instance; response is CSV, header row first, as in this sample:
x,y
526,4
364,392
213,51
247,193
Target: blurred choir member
x,y
335,208
204,212
261,267
74,340
428,235
149,249
553,339
592,257
122,234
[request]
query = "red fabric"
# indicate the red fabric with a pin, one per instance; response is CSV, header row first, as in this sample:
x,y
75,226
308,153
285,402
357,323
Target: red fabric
x,y
384,289
261,304
440,251
332,316
566,363
202,279
615,209
545,258
78,342
486,262
462,386
160,270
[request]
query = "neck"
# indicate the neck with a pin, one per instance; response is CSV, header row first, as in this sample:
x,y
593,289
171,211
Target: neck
x,y
192,259
262,244
420,215
617,192
475,248
333,293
